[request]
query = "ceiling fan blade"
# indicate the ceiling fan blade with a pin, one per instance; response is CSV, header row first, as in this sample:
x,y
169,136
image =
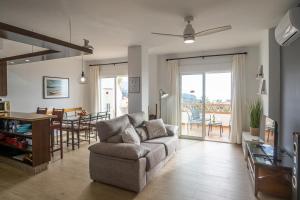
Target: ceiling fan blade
x,y
213,30
166,34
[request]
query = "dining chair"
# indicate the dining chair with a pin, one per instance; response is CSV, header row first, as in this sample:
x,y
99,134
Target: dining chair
x,y
40,110
82,124
98,117
56,126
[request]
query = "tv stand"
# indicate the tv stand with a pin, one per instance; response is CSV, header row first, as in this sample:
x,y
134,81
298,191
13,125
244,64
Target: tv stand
x,y
267,174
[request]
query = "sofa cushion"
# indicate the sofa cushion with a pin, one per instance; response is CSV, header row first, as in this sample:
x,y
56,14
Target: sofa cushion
x,y
129,135
115,139
112,127
156,128
120,150
142,132
137,119
156,155
170,143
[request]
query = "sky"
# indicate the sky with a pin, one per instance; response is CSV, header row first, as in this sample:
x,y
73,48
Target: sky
x,y
218,85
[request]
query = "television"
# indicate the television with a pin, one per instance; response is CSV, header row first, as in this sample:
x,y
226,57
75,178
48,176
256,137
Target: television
x,y
270,137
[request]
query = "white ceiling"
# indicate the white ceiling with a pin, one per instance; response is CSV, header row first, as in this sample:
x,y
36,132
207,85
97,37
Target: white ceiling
x,y
113,25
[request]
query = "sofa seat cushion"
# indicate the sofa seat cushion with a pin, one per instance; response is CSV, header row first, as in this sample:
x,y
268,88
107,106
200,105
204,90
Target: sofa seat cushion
x,y
120,150
170,143
156,155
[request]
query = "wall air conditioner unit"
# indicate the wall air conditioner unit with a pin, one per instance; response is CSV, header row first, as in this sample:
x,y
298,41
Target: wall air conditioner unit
x,y
288,29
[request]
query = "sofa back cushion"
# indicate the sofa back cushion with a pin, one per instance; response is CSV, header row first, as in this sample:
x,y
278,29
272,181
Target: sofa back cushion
x,y
156,128
115,139
137,119
109,128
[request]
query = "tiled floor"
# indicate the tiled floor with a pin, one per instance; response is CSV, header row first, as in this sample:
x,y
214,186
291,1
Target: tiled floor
x,y
199,171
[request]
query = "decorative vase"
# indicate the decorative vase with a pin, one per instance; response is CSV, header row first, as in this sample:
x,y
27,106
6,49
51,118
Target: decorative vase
x,y
254,131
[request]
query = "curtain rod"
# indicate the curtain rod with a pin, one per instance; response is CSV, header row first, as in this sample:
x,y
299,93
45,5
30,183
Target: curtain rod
x,y
205,56
116,63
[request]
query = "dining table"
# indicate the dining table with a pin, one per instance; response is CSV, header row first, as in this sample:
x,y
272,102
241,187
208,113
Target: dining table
x,y
72,120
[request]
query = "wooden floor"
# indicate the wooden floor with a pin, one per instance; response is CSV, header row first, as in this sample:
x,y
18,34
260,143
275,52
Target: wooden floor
x,y
199,171
196,130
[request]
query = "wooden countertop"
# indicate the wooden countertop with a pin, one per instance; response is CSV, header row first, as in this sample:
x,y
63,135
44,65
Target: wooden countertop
x,y
24,116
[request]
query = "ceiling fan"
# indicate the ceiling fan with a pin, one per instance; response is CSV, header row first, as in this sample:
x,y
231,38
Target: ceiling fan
x,y
189,33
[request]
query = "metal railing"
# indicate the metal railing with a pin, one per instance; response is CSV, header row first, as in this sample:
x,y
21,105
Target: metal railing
x,y
218,108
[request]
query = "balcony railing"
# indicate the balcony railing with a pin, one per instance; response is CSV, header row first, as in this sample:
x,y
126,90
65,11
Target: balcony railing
x,y
216,108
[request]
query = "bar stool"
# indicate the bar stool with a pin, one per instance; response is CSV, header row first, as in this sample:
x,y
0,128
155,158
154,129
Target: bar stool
x,y
56,124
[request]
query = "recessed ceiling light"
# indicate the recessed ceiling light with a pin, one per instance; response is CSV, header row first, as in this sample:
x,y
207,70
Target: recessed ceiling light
x,y
27,60
11,62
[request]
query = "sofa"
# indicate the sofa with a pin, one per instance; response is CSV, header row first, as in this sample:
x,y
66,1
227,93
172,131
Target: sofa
x,y
125,165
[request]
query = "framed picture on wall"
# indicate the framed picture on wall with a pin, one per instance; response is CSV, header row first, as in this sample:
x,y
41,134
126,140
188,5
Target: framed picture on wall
x,y
55,87
134,85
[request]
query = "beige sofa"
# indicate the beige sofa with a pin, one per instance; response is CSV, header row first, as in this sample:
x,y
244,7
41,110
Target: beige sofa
x,y
129,166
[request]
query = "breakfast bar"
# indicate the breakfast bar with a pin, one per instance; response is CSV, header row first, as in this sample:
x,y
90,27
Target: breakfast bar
x,y
24,140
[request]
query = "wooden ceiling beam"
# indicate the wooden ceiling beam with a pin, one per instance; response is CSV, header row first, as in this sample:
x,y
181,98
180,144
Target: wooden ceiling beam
x,y
55,47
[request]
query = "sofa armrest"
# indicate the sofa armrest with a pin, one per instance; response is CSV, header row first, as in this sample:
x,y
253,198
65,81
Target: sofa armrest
x,y
172,130
120,150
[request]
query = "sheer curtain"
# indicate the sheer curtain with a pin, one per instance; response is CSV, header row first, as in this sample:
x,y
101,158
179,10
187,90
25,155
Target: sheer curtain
x,y
173,106
238,97
95,88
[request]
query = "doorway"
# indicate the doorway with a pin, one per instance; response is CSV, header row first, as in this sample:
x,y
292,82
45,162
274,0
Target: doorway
x,y
206,106
114,95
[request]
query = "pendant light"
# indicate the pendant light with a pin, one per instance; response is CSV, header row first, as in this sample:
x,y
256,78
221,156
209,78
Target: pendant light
x,y
83,79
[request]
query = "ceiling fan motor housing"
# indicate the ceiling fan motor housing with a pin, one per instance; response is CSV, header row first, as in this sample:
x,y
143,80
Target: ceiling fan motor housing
x,y
189,32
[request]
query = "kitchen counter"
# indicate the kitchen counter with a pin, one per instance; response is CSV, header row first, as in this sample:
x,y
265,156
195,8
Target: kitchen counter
x,y
29,117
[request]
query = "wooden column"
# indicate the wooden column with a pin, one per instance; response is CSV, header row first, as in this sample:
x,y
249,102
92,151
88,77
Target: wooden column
x,y
3,79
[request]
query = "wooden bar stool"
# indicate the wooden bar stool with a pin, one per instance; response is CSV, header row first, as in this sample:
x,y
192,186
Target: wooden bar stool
x,y
56,124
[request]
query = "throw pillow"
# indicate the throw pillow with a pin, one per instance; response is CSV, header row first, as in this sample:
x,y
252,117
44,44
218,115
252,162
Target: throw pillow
x,y
129,135
156,128
172,130
142,132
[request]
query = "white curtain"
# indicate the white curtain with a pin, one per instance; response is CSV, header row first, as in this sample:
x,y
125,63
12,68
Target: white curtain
x,y
238,97
95,88
173,107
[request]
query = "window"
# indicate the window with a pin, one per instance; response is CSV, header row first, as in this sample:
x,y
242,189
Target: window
x,y
114,95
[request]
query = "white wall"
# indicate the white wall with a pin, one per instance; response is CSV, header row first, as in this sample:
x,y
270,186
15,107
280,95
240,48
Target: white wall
x,y
153,84
25,85
270,59
264,61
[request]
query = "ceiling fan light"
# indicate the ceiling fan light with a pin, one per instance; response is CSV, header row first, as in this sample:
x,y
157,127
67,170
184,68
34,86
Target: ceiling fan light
x,y
189,39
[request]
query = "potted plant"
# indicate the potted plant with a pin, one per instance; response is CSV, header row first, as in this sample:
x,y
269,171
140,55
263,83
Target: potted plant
x,y
255,111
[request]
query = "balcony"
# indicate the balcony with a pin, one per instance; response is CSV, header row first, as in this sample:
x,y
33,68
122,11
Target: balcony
x,y
215,127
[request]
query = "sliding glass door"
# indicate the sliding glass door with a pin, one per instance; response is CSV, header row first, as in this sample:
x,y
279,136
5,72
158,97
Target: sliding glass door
x,y
206,106
192,104
114,95
218,106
